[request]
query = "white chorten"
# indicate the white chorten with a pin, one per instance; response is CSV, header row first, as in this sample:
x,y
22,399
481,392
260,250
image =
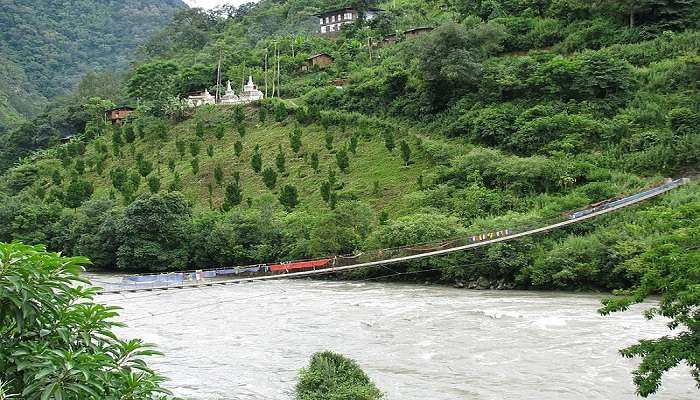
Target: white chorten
x,y
250,92
195,100
230,96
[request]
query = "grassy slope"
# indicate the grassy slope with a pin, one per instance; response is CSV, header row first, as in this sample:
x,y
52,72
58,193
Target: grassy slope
x,y
373,162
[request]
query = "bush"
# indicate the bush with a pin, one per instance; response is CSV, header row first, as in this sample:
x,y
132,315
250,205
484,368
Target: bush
x,y
331,376
269,177
155,234
49,322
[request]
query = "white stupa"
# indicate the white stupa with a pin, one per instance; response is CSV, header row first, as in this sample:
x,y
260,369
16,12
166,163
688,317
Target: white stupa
x,y
250,92
230,96
199,99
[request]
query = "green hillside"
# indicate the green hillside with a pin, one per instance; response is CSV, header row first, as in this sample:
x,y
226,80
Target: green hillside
x,y
48,46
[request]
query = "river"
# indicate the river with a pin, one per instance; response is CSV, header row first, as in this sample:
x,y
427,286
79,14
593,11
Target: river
x,y
416,342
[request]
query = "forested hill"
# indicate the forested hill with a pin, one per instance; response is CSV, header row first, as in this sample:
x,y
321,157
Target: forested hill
x,y
46,45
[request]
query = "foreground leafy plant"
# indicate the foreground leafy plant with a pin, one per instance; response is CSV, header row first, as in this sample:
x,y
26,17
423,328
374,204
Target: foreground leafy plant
x,y
55,342
671,268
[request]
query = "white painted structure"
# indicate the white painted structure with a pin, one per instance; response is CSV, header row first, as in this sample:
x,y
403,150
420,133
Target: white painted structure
x,y
249,94
230,96
200,99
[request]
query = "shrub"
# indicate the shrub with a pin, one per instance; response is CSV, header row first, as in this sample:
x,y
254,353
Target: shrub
x,y
256,160
49,322
233,195
269,177
331,376
77,192
154,184
342,159
280,160
405,152
314,161
289,197
154,234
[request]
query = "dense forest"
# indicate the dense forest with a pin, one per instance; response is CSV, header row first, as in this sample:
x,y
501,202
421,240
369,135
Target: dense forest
x,y
47,46
507,114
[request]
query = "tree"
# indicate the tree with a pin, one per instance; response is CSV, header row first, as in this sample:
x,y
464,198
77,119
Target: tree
x,y
238,148
118,176
241,130
239,115
405,152
280,160
171,165
353,144
154,82
332,376
450,59
220,132
256,160
195,148
262,114
50,321
280,112
389,141
128,133
295,139
670,268
154,184
144,167
195,166
116,142
77,192
233,196
289,197
80,166
342,159
329,140
56,177
269,177
210,151
180,146
154,233
218,175
326,190
176,183
314,161
199,129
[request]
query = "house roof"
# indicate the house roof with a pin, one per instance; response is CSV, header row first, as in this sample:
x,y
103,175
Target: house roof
x,y
324,13
422,28
320,55
121,108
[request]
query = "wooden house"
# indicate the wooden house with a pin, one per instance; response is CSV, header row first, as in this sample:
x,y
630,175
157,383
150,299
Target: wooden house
x,y
317,61
118,115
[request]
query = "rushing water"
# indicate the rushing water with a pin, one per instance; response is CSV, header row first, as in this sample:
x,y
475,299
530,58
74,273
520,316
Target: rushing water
x,y
416,342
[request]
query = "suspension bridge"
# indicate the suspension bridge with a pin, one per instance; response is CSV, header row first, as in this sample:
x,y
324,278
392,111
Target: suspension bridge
x,y
397,256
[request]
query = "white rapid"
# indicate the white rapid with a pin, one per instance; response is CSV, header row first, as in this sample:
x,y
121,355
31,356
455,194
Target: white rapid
x,y
416,342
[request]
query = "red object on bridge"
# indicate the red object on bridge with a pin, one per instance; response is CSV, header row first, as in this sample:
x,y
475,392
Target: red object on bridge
x,y
293,266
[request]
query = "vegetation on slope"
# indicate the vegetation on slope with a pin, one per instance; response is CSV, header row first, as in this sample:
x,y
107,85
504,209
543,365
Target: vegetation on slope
x,y
51,45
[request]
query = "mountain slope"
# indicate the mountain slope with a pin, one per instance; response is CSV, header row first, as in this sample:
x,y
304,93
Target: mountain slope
x,y
49,45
